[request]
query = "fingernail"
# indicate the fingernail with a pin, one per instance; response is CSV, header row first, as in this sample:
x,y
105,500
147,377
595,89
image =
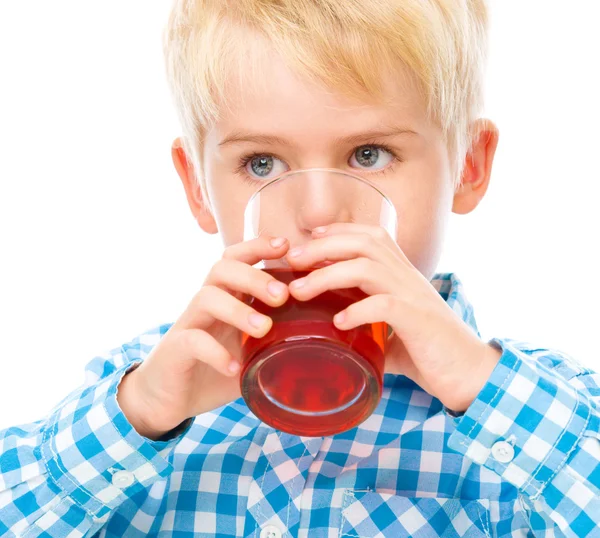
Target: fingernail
x,y
257,320
295,252
339,318
277,242
320,230
233,367
276,288
298,283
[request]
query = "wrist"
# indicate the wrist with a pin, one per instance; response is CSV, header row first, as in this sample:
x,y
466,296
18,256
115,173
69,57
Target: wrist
x,y
473,379
132,402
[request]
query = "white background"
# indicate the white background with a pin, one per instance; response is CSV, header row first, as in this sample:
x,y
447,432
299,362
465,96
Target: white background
x,y
98,244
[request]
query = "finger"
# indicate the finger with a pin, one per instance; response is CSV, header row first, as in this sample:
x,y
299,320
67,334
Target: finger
x,y
241,277
214,304
199,345
377,232
340,247
262,248
371,277
373,309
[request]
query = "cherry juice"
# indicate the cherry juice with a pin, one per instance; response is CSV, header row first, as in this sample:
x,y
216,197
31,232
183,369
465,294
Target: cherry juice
x,y
306,376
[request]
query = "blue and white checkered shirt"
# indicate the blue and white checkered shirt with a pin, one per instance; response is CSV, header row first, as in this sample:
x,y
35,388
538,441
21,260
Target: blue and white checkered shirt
x,y
523,460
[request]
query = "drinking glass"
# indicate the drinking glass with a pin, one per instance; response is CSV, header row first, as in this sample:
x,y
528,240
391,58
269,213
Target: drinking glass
x,y
306,376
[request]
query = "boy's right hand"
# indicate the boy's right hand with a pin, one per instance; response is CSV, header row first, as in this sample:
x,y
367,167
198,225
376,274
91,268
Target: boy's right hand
x,y
195,366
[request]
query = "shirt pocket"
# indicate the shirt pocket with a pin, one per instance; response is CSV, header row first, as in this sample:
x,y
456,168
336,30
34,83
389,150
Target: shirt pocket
x,y
368,514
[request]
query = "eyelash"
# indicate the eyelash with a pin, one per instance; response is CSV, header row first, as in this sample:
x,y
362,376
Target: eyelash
x,y
244,160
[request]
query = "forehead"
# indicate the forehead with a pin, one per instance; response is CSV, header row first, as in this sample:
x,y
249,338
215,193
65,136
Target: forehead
x,y
272,98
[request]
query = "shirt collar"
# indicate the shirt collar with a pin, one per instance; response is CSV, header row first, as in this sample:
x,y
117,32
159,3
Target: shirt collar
x,y
452,291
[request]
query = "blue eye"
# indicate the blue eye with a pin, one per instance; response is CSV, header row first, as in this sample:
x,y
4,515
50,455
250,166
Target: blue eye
x,y
370,156
260,166
374,158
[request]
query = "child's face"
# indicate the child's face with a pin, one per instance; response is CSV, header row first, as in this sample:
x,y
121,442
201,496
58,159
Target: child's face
x,y
419,182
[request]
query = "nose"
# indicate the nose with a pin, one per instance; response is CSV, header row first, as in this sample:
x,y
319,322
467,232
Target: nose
x,y
322,199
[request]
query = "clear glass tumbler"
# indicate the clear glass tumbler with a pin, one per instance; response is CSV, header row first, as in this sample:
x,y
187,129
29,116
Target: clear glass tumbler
x,y
307,377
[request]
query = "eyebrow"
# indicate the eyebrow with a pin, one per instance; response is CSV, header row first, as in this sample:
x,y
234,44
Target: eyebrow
x,y
237,137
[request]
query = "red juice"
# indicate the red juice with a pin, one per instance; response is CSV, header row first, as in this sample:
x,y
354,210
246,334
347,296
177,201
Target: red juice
x,y
307,377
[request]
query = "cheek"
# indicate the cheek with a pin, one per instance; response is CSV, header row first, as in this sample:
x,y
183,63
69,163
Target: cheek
x,y
228,201
423,207
421,236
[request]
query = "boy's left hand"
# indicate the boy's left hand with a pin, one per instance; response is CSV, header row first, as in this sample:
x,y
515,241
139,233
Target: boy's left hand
x,y
430,344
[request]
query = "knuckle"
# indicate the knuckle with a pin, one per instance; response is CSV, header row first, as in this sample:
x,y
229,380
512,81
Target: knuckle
x,y
206,294
380,233
253,278
229,252
218,268
364,266
232,307
197,299
187,341
234,310
387,302
222,264
209,290
366,239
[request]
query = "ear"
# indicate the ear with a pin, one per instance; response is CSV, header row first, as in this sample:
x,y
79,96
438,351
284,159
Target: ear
x,y
193,192
477,168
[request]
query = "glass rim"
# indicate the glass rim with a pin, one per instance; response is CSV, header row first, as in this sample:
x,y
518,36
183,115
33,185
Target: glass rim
x,y
289,173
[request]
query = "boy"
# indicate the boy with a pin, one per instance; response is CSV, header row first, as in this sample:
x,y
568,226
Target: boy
x,y
470,438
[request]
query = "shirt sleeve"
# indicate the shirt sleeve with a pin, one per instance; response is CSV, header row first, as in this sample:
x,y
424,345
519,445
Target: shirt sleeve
x,y
536,423
64,475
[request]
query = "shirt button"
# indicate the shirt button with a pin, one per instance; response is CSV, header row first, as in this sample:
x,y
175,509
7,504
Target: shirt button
x,y
503,452
270,531
122,479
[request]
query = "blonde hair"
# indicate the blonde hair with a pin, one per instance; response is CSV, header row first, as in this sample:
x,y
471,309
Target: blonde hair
x,y
345,45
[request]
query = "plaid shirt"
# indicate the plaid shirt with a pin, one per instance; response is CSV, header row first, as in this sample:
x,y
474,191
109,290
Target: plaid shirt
x,y
523,460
